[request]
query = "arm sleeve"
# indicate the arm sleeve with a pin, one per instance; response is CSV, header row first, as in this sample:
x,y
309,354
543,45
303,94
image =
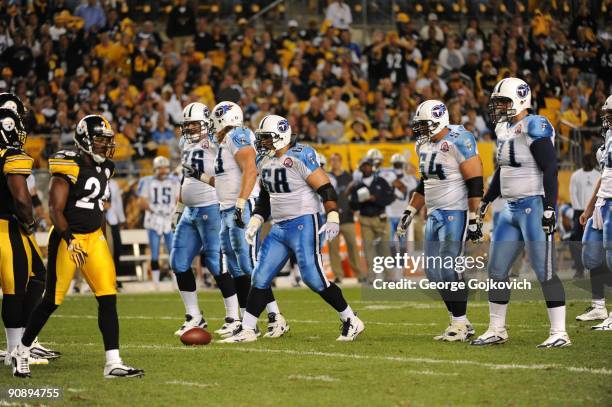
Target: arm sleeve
x,y
494,188
262,204
546,157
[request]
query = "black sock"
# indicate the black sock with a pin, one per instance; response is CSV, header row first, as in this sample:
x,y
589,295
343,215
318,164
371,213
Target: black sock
x,y
553,291
33,296
243,286
460,299
37,321
257,301
225,282
186,281
333,296
270,296
500,295
108,321
12,310
598,282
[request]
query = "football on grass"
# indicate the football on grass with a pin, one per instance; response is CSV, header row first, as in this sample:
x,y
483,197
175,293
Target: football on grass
x,y
196,336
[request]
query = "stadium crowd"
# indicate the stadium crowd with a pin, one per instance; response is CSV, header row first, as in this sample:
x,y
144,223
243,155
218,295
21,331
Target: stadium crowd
x,y
65,62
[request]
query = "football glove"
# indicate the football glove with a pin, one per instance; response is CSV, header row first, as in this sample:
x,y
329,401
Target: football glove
x,y
240,204
27,228
549,220
332,226
250,234
77,253
474,232
197,174
482,210
406,220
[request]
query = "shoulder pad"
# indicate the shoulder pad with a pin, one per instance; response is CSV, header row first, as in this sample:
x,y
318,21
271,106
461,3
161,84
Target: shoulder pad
x,y
464,141
539,127
240,137
17,162
64,164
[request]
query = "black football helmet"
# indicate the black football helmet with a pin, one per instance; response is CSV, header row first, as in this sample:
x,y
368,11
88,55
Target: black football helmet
x,y
95,137
12,131
12,101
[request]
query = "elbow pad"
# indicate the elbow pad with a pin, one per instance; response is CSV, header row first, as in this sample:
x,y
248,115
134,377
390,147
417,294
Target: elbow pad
x,y
475,187
262,204
327,193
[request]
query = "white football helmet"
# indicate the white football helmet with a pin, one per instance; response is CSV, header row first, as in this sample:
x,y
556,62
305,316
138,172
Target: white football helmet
x,y
431,117
195,113
322,160
226,114
606,114
160,162
375,156
509,97
273,133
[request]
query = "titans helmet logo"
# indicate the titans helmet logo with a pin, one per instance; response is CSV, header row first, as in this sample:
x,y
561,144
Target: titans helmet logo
x,y
438,111
283,126
522,90
221,110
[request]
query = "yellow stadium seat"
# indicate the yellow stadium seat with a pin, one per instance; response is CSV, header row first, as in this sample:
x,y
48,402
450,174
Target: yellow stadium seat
x,y
551,114
35,146
552,104
163,150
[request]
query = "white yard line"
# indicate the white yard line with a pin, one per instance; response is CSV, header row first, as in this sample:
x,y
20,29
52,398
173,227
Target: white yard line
x,y
323,378
192,384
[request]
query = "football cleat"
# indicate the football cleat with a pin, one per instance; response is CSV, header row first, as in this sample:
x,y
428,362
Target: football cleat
x,y
191,322
350,329
118,369
20,359
228,327
593,314
241,335
556,340
34,360
493,336
40,352
277,326
470,329
455,332
606,325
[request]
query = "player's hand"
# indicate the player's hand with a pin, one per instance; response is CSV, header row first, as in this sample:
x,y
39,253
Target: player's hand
x,y
250,234
240,204
549,220
584,216
406,220
177,215
191,172
27,228
77,253
482,210
332,226
474,232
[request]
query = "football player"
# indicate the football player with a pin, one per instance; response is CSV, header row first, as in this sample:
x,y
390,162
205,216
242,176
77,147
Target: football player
x,y
404,184
527,177
291,183
36,284
597,237
451,188
78,188
198,229
158,196
235,176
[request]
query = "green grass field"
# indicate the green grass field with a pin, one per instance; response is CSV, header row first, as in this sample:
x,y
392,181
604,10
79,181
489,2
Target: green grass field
x,y
394,362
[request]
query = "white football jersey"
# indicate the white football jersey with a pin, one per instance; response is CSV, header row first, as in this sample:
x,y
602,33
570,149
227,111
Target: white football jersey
x,y
439,166
520,175
397,207
605,160
162,196
201,156
228,175
284,178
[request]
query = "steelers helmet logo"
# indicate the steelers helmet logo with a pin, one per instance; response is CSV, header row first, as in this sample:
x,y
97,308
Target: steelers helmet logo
x,y
81,128
221,110
522,90
10,104
8,124
438,111
283,126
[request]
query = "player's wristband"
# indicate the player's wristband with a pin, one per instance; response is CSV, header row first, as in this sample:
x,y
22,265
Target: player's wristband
x,y
472,216
205,178
256,221
240,203
411,209
333,217
179,207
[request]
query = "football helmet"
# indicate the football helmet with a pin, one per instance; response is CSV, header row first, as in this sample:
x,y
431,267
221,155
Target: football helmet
x,y
194,114
322,160
431,117
375,156
12,101
606,114
227,114
509,98
273,133
398,161
95,137
160,162
12,131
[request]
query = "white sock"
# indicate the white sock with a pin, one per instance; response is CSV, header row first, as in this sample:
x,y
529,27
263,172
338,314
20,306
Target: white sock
x,y
242,311
231,307
190,299
347,313
272,307
155,276
112,356
556,316
497,315
249,321
599,303
13,338
462,318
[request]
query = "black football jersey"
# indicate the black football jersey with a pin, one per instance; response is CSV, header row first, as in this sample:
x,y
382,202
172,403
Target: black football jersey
x,y
12,162
88,189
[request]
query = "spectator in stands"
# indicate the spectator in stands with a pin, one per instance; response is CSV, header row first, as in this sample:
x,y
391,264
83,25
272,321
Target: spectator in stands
x,y
330,129
339,14
431,31
181,24
450,58
92,14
